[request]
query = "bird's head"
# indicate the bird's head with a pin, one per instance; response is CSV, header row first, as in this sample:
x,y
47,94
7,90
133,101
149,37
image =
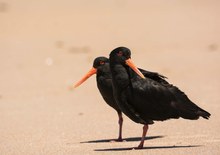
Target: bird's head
x,y
98,62
122,55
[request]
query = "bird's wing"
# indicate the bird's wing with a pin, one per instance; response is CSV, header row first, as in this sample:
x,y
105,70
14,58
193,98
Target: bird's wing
x,y
150,90
154,76
149,100
157,86
161,101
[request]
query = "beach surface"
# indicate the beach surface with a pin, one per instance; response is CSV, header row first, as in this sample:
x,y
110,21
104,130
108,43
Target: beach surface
x,y
47,46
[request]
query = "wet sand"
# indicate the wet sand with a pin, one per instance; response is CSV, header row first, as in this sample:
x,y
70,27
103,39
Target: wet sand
x,y
45,47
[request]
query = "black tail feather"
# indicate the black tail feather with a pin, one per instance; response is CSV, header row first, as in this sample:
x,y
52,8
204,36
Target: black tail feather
x,y
203,113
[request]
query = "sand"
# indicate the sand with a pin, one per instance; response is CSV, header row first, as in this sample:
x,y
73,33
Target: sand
x,y
46,46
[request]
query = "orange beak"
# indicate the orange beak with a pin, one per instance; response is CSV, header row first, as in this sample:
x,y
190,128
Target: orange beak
x,y
90,73
132,65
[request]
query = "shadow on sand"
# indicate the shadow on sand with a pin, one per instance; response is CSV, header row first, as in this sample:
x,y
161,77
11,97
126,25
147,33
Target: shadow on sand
x,y
131,139
150,147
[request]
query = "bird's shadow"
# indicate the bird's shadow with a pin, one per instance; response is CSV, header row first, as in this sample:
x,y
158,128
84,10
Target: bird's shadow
x,y
148,148
131,139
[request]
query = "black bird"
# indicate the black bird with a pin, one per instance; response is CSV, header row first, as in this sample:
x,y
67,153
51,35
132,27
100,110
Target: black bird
x,y
104,83
145,100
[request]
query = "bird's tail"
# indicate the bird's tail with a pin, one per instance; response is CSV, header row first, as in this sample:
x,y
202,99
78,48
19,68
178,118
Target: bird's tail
x,y
186,108
203,113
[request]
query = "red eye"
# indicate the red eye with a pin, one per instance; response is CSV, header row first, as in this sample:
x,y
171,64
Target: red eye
x,y
120,53
101,62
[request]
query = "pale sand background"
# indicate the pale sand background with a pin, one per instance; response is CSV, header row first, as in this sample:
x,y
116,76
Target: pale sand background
x,y
47,45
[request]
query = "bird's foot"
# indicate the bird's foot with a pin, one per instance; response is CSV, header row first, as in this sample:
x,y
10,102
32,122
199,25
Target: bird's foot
x,y
139,147
117,140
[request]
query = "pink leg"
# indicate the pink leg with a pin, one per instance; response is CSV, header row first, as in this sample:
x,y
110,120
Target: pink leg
x,y
145,128
120,122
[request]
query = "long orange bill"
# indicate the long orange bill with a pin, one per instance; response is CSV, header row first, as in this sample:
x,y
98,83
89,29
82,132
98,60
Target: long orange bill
x,y
90,73
132,65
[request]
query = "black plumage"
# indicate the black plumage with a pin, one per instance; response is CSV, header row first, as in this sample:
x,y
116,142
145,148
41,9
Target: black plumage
x,y
145,100
104,83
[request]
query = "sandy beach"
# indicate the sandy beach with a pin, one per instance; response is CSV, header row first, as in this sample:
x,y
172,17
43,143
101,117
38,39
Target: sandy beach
x,y
47,46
